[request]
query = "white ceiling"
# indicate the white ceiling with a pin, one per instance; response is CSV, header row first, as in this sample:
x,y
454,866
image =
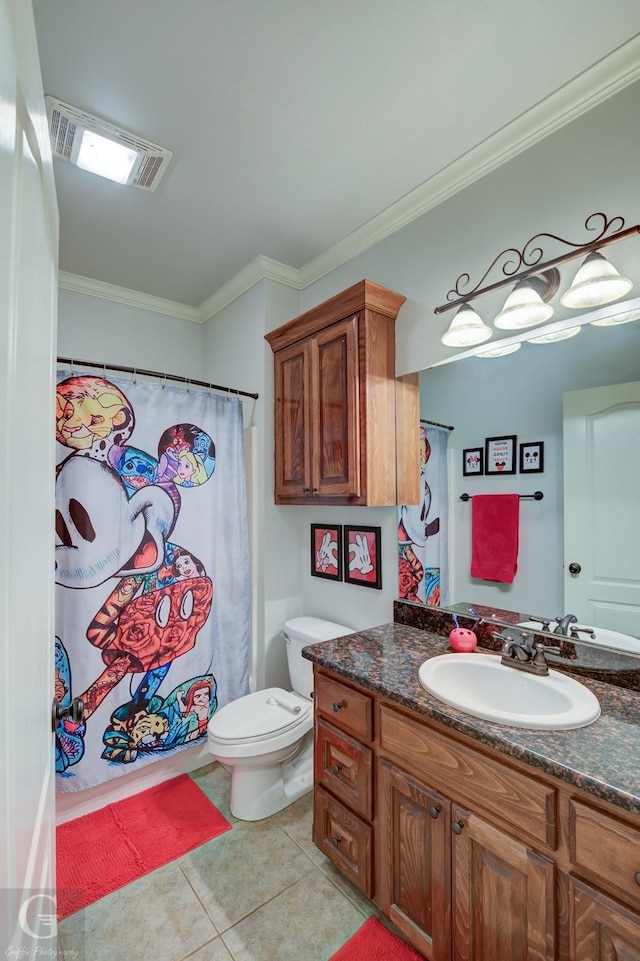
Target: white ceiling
x,y
292,123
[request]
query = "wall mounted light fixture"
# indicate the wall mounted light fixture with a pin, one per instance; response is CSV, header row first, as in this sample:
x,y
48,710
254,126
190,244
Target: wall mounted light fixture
x,y
597,282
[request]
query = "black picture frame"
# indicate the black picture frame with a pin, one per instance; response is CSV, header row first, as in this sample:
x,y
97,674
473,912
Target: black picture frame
x,y
532,457
500,454
364,542
473,462
324,551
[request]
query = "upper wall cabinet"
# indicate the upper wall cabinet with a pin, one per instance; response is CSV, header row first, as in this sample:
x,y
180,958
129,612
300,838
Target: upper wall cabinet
x,y
346,429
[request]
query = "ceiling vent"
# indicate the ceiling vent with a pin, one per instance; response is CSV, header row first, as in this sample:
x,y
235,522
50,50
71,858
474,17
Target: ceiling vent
x,y
68,124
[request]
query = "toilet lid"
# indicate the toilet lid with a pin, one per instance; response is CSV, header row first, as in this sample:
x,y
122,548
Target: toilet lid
x,y
264,714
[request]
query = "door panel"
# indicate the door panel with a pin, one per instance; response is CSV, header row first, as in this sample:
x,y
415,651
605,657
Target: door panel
x,y
28,284
602,508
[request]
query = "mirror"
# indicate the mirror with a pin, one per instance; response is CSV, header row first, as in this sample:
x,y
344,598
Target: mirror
x,y
521,394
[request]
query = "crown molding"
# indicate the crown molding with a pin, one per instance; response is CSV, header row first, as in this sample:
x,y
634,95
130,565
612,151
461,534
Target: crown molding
x,y
123,295
261,268
590,88
594,85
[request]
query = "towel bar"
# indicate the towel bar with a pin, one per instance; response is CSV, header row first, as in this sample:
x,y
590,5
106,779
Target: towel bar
x,y
523,497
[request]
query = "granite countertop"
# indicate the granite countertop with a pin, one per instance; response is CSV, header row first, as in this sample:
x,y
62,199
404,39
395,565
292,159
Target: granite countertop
x,y
602,759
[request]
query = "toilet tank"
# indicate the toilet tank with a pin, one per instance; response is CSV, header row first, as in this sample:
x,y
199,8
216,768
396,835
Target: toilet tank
x,y
298,633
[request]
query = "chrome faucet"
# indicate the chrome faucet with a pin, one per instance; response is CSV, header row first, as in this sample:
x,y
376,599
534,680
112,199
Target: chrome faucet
x,y
563,624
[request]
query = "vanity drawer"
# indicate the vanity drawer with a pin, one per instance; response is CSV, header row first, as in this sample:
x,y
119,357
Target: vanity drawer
x,y
345,839
603,846
345,767
348,709
469,778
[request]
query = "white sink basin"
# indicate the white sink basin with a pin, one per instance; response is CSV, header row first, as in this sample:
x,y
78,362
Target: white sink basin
x,y
603,637
481,685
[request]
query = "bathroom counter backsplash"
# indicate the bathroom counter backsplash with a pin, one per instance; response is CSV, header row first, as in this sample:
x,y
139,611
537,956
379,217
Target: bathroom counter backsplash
x,y
602,759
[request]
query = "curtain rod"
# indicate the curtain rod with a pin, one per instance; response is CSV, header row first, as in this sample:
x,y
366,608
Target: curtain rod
x,y
434,423
154,373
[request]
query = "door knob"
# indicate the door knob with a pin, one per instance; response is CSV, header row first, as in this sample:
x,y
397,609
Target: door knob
x,y
75,711
574,568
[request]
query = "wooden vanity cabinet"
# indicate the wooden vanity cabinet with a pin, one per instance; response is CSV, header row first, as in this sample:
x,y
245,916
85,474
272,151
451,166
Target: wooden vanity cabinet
x,y
346,430
469,854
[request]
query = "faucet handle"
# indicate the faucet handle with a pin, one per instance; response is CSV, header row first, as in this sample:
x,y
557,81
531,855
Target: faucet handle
x,y
540,650
544,622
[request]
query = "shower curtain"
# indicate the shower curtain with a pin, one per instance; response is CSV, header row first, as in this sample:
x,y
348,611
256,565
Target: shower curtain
x,y
423,528
152,570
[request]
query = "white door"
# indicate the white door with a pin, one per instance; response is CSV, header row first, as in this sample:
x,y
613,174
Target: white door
x,y
602,506
28,285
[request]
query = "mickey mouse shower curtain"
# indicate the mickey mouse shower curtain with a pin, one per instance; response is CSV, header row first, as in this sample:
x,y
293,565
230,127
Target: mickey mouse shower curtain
x,y
152,570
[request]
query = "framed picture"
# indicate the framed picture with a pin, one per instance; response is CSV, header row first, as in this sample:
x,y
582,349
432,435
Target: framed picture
x,y
326,551
362,556
500,454
472,461
532,457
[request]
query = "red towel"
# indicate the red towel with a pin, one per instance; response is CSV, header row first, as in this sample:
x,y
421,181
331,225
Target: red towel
x,y
494,536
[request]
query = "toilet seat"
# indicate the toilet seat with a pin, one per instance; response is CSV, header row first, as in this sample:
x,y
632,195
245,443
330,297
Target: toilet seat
x,y
260,716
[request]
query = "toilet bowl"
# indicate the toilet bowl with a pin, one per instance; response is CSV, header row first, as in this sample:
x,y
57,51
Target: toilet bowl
x,y
266,738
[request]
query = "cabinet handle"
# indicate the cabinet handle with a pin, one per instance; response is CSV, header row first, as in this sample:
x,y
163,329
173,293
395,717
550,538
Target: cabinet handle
x,y
457,827
309,490
335,841
336,768
434,810
636,877
337,705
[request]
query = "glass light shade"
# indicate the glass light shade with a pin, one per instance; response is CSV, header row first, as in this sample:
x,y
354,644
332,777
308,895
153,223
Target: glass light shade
x,y
105,157
499,351
524,307
614,319
554,338
466,329
596,283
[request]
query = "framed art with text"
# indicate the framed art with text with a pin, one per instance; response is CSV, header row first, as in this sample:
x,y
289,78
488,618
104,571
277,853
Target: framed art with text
x,y
500,454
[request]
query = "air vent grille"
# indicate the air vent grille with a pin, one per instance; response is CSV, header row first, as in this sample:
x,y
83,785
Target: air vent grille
x,y
67,124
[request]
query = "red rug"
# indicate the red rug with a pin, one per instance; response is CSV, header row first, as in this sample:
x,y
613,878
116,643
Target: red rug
x,y
103,851
374,942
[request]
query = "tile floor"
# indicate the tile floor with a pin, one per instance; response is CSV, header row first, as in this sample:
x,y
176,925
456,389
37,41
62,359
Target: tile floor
x,y
260,892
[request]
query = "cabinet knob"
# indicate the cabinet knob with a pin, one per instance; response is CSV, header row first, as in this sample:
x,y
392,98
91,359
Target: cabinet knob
x,y
434,810
457,827
335,841
336,768
636,877
337,705
309,490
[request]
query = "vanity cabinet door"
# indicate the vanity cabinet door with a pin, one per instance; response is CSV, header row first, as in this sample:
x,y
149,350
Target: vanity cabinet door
x,y
503,895
292,376
601,929
414,860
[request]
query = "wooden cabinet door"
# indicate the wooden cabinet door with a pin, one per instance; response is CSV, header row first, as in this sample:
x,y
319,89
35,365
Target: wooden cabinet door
x,y
292,370
601,929
414,861
503,895
335,419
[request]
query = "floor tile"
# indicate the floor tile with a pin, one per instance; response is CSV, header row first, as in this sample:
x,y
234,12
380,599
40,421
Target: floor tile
x,y
348,889
214,781
157,916
307,922
213,951
238,871
297,821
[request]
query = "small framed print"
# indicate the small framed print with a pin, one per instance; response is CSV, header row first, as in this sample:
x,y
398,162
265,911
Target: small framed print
x,y
532,457
472,461
326,551
362,556
500,454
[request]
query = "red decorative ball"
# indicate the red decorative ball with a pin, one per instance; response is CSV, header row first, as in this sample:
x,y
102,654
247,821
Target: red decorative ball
x,y
462,639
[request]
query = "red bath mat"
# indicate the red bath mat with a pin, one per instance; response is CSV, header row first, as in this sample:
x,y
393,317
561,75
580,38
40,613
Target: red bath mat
x,y
374,942
103,851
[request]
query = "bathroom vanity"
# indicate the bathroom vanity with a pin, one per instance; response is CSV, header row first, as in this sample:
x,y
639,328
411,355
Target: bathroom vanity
x,y
475,839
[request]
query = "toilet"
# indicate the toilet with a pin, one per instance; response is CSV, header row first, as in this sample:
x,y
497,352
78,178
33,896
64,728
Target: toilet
x,y
266,738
